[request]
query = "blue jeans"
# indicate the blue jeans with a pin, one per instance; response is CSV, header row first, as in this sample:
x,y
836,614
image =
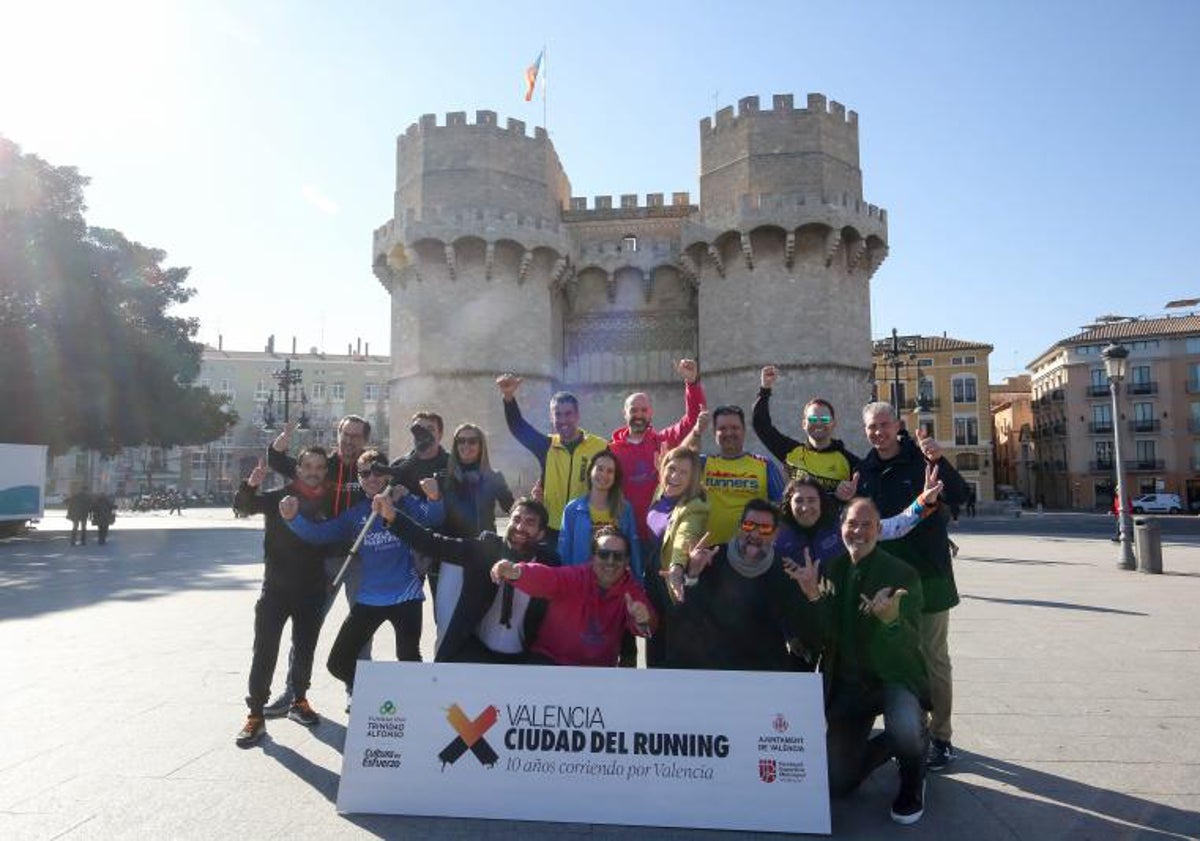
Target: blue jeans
x,y
854,753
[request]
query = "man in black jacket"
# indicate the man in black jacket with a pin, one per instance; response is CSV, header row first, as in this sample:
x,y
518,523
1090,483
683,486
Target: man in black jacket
x,y
864,618
294,588
341,472
490,623
892,474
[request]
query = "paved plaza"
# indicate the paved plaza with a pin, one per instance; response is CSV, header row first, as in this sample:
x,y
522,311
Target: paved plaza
x,y
1077,695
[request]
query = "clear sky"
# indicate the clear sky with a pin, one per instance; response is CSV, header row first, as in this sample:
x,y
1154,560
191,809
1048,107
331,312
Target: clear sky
x,y
1037,159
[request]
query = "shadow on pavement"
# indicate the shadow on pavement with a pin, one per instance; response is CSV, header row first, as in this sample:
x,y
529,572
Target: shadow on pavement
x,y
1058,605
1055,807
42,573
322,779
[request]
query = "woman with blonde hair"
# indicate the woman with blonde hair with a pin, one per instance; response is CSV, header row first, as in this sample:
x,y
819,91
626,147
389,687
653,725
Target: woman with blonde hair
x,y
471,490
678,519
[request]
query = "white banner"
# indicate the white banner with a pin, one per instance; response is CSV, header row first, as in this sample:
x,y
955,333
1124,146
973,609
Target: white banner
x,y
719,750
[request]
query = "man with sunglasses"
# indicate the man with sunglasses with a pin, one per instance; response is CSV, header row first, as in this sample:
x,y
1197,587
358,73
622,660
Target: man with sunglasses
x,y
821,456
730,605
590,608
392,589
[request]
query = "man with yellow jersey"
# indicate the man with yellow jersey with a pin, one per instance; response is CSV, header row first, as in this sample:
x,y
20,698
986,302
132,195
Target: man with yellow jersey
x,y
732,477
822,456
564,456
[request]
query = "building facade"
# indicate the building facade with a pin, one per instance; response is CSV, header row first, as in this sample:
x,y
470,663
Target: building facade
x,y
940,385
1012,436
1158,413
492,266
330,386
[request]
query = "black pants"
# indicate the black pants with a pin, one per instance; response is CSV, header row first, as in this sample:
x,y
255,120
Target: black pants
x,y
853,753
79,527
362,623
274,608
102,530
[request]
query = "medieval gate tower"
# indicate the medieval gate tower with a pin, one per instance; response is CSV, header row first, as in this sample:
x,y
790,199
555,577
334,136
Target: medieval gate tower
x,y
493,266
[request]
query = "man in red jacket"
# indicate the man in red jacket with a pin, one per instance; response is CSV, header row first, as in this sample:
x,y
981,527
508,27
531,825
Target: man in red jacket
x,y
590,607
638,443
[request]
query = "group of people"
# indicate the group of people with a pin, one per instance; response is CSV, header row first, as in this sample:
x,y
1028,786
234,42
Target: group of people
x,y
718,560
84,505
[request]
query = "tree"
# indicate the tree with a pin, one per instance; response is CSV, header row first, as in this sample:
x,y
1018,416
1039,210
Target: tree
x,y
91,356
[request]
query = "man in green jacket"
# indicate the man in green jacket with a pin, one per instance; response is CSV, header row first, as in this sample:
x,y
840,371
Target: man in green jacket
x,y
864,617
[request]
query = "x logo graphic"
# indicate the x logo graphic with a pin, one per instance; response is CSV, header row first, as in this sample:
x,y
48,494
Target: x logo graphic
x,y
470,736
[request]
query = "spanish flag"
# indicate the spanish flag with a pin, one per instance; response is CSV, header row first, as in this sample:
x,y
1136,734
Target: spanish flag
x,y
531,74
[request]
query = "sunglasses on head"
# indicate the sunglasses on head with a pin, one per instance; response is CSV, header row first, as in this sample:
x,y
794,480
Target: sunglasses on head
x,y
611,555
765,529
820,418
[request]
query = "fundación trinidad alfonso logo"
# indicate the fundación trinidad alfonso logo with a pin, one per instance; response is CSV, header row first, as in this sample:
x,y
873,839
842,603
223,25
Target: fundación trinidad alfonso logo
x,y
387,708
470,736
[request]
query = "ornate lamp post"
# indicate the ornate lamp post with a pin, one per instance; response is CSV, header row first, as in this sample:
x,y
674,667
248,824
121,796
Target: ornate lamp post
x,y
287,378
1115,357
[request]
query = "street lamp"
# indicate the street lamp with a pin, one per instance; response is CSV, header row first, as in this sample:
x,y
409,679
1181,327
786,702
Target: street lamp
x,y
1115,357
287,378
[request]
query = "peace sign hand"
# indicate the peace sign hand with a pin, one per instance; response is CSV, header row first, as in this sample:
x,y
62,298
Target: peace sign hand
x,y
933,486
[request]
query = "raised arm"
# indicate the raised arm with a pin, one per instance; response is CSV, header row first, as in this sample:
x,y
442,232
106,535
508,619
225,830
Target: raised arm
x,y
521,429
778,444
693,403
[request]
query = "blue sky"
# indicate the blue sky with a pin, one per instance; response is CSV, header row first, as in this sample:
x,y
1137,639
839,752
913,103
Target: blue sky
x,y
1036,159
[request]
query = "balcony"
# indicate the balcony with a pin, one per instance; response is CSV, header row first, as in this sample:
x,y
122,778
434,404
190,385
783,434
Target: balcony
x,y
1097,391
1147,387
1145,464
1100,427
1101,466
1192,386
1145,425
1057,396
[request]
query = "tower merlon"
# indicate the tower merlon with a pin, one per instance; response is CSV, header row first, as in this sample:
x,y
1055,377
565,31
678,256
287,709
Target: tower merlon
x,y
782,104
655,205
428,123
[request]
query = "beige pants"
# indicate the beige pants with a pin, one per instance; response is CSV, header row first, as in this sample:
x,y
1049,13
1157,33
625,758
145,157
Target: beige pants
x,y
935,647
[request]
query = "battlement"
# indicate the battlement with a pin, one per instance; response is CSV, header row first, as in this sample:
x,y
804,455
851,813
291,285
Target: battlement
x,y
782,105
492,223
655,205
457,120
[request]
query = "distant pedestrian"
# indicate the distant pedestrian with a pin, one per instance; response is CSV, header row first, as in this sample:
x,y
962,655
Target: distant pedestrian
x,y
104,513
970,500
176,504
79,505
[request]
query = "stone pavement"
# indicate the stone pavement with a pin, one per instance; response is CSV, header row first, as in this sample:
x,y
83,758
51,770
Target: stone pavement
x,y
1076,692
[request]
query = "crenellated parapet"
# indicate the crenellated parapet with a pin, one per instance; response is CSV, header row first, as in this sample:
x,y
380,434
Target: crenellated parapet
x,y
833,114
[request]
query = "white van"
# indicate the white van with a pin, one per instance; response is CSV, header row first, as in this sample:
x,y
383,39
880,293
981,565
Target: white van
x,y
1158,503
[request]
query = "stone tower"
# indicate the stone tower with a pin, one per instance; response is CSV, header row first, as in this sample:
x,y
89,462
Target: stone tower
x,y
493,266
785,248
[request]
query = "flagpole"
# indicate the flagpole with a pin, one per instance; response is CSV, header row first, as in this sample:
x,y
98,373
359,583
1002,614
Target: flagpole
x,y
545,90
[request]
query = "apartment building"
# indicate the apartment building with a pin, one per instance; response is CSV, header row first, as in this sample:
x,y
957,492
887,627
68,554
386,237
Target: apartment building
x,y
940,385
325,387
1012,436
1158,413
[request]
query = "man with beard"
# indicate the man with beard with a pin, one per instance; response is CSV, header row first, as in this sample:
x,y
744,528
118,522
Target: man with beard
x,y
730,610
638,444
820,455
341,472
864,617
293,589
565,457
490,623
